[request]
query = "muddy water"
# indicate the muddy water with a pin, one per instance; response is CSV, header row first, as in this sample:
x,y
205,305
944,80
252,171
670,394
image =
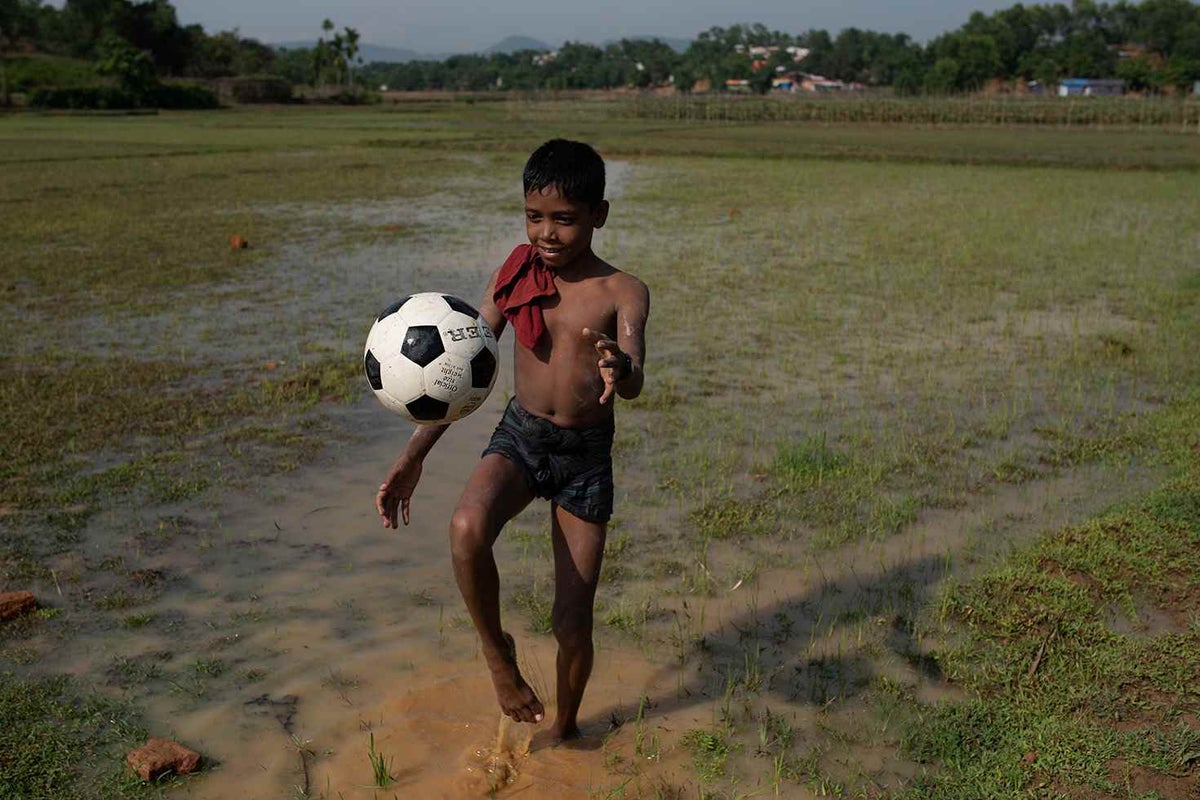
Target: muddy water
x,y
365,639
365,646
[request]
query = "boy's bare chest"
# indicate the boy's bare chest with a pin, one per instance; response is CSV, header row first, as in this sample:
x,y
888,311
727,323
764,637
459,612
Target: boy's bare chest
x,y
576,309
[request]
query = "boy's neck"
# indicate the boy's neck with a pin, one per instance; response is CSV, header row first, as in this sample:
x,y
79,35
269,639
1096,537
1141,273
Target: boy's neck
x,y
580,264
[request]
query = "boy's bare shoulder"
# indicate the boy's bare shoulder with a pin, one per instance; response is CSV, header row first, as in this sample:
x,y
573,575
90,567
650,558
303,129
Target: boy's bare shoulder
x,y
626,283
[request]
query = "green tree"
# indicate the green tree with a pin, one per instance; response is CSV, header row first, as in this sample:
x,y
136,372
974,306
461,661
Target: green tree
x,y
132,68
943,78
350,52
323,56
18,21
295,64
1046,71
820,51
1160,24
1086,54
909,81
683,78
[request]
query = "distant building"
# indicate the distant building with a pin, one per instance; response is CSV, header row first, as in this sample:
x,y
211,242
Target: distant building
x,y
819,84
1091,87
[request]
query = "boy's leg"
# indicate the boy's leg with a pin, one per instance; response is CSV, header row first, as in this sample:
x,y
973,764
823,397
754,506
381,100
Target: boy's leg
x,y
578,551
495,493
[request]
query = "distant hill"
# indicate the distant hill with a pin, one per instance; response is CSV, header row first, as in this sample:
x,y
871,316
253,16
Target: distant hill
x,y
511,44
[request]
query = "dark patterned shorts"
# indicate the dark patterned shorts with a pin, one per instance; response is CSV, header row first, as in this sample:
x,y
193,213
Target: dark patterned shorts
x,y
570,466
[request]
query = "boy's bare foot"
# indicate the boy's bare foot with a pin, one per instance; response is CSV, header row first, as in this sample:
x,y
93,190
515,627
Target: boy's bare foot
x,y
515,696
568,737
564,733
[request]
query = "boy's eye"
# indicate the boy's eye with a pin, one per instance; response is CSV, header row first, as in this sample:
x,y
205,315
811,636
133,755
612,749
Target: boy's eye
x,y
561,220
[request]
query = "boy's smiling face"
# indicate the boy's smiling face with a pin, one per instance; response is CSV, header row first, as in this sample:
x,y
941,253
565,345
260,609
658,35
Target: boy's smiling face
x,y
561,229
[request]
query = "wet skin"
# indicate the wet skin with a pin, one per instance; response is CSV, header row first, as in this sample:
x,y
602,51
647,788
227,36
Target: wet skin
x,y
570,378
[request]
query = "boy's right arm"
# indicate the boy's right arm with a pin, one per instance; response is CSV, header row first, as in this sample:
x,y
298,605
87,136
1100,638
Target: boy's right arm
x,y
395,493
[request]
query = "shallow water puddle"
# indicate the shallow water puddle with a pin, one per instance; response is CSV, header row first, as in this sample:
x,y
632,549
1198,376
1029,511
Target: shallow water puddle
x,y
362,636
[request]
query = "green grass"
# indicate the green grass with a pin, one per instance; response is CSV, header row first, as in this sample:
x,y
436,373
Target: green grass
x,y
28,72
1063,694
937,353
536,603
709,751
855,328
60,743
381,767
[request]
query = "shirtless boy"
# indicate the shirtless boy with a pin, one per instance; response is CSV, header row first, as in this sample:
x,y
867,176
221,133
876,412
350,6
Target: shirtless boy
x,y
580,326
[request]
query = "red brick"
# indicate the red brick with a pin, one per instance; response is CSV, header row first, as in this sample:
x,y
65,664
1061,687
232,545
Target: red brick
x,y
14,604
160,756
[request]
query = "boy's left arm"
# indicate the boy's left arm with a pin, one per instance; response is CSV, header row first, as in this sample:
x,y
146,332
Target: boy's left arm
x,y
622,360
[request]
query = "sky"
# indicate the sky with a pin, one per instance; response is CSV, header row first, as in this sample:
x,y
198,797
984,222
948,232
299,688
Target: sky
x,y
444,26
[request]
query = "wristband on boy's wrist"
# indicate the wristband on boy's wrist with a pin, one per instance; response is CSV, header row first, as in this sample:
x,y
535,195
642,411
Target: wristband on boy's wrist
x,y
626,366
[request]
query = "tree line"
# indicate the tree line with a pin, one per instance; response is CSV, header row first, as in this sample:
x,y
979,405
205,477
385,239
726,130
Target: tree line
x,y
1153,45
96,30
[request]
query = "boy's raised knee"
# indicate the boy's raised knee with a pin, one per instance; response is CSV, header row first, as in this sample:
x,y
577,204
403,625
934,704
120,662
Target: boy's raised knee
x,y
468,534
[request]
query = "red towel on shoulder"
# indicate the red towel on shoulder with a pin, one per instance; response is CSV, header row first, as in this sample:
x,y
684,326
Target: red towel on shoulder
x,y
521,284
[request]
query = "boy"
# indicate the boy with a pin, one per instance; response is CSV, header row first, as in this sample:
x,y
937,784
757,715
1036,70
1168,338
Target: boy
x,y
554,441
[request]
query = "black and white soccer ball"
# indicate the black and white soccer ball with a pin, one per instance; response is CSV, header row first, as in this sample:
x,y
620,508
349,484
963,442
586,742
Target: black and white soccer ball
x,y
431,357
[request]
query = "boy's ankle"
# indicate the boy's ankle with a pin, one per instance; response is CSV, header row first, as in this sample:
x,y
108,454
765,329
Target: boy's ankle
x,y
502,660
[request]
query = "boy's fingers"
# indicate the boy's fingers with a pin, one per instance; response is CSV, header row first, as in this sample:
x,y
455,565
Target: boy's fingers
x,y
599,338
609,386
403,511
381,504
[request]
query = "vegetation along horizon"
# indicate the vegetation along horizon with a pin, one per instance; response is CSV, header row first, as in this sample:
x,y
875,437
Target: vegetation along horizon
x,y
910,506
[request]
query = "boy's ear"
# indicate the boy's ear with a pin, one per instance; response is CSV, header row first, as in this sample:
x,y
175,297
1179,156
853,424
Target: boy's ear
x,y
600,214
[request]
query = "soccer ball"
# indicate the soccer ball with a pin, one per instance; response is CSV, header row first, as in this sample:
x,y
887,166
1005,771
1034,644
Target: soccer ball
x,y
431,357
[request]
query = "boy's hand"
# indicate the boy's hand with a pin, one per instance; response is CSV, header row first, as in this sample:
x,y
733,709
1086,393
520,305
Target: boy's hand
x,y
614,364
396,491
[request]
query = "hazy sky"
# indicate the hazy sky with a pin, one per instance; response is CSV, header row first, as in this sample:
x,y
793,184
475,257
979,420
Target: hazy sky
x,y
433,26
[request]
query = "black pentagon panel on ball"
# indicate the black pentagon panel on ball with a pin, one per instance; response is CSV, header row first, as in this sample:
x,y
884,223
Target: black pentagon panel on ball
x,y
393,308
374,376
422,344
483,369
460,306
427,409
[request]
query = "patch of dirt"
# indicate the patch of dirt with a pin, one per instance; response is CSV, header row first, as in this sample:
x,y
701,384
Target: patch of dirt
x,y
1142,781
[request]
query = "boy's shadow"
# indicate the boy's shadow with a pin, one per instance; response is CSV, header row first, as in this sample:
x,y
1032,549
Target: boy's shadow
x,y
764,650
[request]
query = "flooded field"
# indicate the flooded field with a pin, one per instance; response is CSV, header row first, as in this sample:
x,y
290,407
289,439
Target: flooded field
x,y
868,384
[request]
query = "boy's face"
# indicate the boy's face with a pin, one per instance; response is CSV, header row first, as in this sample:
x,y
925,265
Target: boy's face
x,y
559,228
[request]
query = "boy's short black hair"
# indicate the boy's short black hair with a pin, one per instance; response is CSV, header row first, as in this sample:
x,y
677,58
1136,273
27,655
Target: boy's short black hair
x,y
573,167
